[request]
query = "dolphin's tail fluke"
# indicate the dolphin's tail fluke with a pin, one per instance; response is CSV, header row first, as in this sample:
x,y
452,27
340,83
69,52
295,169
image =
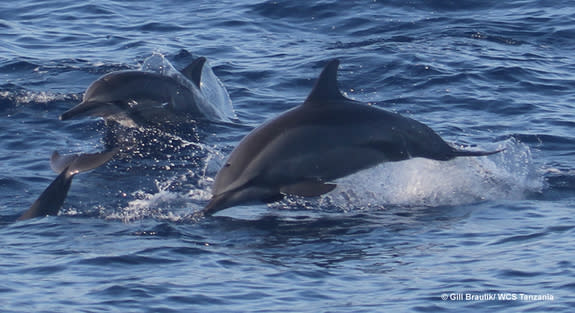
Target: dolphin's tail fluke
x,y
466,153
53,197
78,163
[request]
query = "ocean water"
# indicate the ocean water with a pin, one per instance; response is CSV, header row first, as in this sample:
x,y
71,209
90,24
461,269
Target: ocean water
x,y
469,235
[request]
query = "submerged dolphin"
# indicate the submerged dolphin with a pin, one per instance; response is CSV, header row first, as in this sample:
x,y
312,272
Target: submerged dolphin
x,y
138,98
53,197
327,137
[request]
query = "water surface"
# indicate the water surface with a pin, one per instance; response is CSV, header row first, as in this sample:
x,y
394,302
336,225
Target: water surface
x,y
398,237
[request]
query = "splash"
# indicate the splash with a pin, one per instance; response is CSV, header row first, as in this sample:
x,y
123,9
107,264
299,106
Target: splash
x,y
508,175
163,204
174,198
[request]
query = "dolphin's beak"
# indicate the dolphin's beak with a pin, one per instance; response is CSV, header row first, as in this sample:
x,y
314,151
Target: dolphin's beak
x,y
82,109
241,196
217,203
86,108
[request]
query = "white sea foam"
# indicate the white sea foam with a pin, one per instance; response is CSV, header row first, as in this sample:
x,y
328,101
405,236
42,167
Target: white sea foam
x,y
166,204
25,96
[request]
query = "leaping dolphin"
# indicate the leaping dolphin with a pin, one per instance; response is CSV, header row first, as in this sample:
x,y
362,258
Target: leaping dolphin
x,y
329,136
139,98
53,197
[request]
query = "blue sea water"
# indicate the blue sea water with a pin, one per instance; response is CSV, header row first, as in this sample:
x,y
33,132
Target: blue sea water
x,y
417,235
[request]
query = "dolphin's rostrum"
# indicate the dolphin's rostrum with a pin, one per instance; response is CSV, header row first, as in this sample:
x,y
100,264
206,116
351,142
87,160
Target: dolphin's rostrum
x,y
329,136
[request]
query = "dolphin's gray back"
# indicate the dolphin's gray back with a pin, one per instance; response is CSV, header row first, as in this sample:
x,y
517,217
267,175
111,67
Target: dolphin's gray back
x,y
131,85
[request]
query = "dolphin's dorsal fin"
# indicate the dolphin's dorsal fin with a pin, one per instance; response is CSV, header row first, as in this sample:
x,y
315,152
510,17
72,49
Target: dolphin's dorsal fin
x,y
194,71
78,163
326,88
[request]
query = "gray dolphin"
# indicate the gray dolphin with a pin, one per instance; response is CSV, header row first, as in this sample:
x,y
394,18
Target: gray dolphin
x,y
329,136
138,98
53,197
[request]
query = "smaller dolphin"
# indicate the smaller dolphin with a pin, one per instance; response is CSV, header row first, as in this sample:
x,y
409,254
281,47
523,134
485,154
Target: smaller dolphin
x,y
138,98
53,197
329,136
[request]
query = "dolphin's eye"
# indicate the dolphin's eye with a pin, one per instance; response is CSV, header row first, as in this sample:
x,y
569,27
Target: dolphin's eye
x,y
227,165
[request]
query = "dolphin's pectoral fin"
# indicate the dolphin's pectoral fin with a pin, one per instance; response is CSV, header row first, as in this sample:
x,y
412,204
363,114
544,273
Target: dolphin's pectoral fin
x,y
308,189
